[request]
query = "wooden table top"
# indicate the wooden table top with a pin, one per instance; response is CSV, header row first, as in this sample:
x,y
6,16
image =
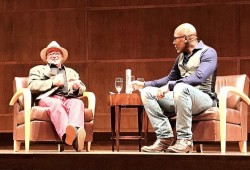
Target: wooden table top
x,y
124,99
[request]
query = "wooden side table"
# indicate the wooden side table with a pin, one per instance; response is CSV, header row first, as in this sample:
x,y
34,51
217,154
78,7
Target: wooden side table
x,y
123,100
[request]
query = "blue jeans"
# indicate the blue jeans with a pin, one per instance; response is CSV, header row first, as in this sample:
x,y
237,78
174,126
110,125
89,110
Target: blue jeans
x,y
184,102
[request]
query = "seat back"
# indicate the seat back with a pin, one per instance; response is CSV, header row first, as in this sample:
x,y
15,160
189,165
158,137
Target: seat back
x,y
241,82
20,82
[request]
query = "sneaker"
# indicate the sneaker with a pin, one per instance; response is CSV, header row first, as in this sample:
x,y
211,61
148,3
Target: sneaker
x,y
160,145
70,134
78,143
182,146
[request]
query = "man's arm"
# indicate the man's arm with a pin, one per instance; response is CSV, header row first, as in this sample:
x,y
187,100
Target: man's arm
x,y
207,66
173,76
75,85
37,81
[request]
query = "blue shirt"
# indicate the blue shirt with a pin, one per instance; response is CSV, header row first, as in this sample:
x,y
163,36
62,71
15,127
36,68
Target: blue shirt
x,y
207,67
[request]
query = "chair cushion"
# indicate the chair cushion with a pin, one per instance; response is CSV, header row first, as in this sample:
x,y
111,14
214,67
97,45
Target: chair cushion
x,y
40,113
233,116
39,131
37,113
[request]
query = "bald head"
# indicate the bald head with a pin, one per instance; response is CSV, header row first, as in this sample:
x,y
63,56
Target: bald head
x,y
186,29
185,38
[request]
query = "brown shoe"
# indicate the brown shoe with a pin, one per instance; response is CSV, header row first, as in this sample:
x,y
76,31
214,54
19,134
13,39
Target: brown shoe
x,y
70,134
78,143
182,146
160,145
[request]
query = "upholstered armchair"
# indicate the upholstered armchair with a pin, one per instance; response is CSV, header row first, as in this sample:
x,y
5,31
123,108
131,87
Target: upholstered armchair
x,y
32,123
228,122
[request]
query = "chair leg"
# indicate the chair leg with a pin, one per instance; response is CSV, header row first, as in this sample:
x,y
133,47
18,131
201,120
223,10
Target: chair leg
x,y
60,147
27,145
243,146
17,145
199,148
88,146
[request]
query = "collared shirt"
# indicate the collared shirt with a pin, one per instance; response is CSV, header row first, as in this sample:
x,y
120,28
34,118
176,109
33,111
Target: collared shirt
x,y
63,90
207,67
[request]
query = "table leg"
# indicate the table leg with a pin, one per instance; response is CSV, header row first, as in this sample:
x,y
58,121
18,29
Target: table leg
x,y
140,119
117,125
112,111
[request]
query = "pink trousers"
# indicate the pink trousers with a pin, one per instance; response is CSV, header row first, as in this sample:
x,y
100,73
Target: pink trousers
x,y
64,112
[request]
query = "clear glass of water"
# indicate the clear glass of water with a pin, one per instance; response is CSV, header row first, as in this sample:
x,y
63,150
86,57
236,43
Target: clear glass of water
x,y
118,84
140,79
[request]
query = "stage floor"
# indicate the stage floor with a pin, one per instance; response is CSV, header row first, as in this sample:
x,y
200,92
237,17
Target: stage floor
x,y
44,156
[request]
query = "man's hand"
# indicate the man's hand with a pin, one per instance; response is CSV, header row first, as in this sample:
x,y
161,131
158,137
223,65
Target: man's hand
x,y
76,84
58,80
162,91
136,85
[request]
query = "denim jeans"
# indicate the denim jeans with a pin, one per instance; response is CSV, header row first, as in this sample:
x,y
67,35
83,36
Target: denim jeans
x,y
184,102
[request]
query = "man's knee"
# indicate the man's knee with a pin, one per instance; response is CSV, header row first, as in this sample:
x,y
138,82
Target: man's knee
x,y
148,92
145,91
77,102
180,89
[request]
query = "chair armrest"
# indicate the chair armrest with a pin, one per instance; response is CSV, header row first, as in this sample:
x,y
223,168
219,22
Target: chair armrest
x,y
223,110
226,89
25,92
91,100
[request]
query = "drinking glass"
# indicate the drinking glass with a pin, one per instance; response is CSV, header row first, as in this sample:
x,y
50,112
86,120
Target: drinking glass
x,y
140,79
118,84
132,78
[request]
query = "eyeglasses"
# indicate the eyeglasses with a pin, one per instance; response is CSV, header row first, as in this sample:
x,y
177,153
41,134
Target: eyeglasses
x,y
53,53
175,38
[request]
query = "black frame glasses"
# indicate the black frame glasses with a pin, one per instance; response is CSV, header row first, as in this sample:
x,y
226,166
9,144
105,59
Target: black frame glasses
x,y
175,38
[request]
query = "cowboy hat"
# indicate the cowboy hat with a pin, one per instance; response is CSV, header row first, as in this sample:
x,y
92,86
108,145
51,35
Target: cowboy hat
x,y
53,44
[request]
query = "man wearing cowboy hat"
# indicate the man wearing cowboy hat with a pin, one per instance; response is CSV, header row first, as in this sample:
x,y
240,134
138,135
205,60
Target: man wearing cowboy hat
x,y
57,87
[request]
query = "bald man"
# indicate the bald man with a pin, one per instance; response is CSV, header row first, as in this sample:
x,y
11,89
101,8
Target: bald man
x,y
186,91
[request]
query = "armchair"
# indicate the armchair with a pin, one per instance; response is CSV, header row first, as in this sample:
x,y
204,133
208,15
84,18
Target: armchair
x,y
32,123
228,122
